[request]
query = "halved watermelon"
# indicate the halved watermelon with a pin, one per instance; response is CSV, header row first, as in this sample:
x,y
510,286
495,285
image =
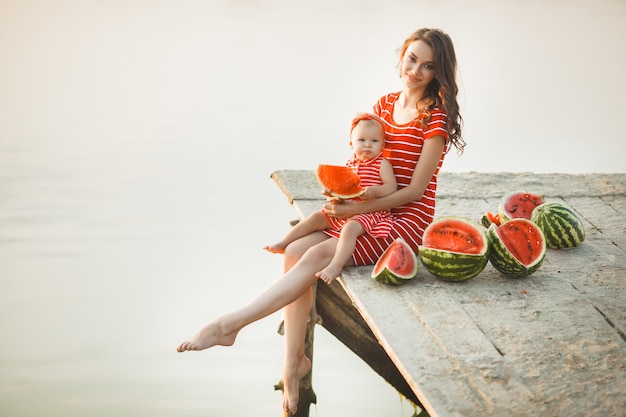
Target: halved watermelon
x,y
454,248
519,204
341,181
517,247
396,265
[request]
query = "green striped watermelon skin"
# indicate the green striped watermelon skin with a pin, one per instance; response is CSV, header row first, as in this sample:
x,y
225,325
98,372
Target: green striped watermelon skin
x,y
504,261
452,266
388,278
561,227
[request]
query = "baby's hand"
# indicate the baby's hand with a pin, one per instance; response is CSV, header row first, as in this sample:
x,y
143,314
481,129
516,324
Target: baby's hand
x,y
331,198
367,195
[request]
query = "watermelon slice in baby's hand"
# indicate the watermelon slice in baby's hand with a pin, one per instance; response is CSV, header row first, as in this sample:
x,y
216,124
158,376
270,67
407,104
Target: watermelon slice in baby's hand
x,y
341,181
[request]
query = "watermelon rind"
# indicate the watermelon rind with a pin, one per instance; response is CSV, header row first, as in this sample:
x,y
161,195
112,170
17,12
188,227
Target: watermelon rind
x,y
562,228
453,265
485,221
389,278
384,273
505,262
505,215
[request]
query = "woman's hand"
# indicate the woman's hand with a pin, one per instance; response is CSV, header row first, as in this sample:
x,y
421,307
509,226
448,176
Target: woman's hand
x,y
338,207
341,209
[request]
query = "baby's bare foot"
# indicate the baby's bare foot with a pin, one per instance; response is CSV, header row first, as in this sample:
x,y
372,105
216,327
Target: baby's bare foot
x,y
276,248
210,335
291,384
329,273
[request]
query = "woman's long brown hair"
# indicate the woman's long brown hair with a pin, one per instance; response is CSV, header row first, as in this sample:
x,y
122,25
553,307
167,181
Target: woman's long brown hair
x,y
442,90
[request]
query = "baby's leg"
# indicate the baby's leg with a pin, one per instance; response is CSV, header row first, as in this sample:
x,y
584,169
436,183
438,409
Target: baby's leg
x,y
345,247
313,223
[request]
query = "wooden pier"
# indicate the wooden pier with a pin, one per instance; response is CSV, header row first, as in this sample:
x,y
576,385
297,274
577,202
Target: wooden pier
x,y
551,344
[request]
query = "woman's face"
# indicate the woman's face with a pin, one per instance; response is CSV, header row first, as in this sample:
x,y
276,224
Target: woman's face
x,y
418,65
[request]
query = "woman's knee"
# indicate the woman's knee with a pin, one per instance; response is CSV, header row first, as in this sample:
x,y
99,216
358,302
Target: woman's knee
x,y
321,252
295,250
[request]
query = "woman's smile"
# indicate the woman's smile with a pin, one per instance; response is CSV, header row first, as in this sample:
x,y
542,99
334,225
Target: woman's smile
x,y
413,78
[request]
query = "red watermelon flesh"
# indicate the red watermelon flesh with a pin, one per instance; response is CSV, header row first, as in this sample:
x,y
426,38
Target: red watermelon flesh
x,y
396,265
455,235
341,181
522,239
519,205
398,259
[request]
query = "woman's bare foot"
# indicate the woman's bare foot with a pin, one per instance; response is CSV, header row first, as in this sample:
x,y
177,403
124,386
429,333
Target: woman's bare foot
x,y
210,335
291,384
276,248
329,273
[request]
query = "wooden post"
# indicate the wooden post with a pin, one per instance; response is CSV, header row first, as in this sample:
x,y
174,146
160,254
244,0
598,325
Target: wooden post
x,y
307,395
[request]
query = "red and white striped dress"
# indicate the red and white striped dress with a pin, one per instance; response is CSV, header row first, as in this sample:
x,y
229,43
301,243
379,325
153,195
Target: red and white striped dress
x,y
403,148
377,224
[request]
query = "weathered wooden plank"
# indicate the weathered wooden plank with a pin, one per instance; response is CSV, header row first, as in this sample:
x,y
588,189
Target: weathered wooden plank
x,y
543,345
617,202
605,215
558,344
302,185
297,184
511,345
439,348
494,185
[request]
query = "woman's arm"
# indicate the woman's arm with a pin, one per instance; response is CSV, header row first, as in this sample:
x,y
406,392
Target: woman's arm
x,y
388,179
424,170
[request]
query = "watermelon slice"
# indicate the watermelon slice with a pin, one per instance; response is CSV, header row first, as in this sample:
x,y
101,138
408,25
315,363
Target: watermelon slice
x,y
341,181
397,265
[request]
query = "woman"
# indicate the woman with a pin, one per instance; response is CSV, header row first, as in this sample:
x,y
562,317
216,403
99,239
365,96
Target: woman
x,y
421,122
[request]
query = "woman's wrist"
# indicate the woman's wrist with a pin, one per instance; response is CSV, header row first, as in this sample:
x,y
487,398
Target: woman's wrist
x,y
363,206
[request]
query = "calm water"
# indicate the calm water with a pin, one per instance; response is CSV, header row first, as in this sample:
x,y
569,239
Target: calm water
x,y
136,143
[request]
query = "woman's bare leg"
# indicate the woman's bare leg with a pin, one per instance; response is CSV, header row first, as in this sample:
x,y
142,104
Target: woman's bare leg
x,y
314,222
290,287
296,364
345,248
293,291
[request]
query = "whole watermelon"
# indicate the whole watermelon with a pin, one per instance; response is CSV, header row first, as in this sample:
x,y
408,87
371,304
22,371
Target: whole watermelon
x,y
561,227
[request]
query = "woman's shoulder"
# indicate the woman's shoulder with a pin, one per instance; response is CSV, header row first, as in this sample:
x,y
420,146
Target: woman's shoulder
x,y
389,98
438,114
384,105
